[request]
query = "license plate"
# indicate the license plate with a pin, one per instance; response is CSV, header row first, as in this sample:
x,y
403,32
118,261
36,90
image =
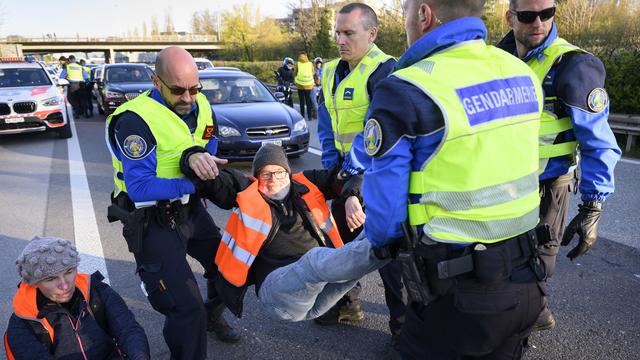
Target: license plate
x,y
13,120
274,142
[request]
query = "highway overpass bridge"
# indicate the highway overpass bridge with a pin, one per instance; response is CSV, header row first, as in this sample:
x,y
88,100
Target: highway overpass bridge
x,y
20,46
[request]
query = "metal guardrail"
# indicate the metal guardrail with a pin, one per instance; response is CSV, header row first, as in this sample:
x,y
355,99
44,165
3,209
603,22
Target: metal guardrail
x,y
627,125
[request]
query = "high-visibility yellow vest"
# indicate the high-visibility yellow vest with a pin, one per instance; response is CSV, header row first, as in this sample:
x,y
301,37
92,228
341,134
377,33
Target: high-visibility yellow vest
x,y
171,133
87,70
304,76
550,125
349,104
74,72
481,184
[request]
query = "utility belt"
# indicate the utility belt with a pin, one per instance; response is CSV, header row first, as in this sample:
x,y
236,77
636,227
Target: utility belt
x,y
431,269
170,214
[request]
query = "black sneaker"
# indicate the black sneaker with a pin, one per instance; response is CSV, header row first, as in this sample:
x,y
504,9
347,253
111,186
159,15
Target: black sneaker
x,y
349,312
545,320
217,324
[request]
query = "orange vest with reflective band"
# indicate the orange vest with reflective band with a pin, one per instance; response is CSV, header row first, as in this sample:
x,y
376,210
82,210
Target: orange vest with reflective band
x,y
25,306
250,224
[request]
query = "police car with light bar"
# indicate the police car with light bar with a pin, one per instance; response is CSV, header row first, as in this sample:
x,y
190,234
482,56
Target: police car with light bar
x,y
31,100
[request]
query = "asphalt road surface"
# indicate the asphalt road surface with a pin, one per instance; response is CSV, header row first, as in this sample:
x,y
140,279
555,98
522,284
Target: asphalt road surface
x,y
61,187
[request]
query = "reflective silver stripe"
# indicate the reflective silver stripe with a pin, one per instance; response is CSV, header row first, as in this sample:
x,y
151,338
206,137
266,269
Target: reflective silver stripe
x,y
484,230
253,223
488,196
238,252
327,225
374,53
347,137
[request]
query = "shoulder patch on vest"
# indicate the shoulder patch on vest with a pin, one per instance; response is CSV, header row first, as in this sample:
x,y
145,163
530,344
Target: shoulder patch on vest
x,y
372,137
208,132
135,146
598,100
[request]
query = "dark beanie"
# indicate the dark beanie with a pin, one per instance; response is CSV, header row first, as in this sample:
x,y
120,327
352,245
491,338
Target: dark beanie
x,y
270,154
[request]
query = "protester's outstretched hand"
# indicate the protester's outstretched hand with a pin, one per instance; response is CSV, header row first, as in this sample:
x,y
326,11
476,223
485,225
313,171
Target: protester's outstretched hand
x,y
354,214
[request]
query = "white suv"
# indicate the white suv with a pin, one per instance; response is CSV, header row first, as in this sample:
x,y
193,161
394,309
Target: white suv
x,y
203,64
31,100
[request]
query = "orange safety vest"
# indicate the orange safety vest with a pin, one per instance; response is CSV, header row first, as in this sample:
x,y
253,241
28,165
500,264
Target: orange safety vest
x,y
250,223
25,306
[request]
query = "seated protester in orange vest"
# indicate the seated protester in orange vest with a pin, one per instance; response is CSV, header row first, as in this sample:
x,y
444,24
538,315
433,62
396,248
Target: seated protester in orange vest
x,y
62,314
279,226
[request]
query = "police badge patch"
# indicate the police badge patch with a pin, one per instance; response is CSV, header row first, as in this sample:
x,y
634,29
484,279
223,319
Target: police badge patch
x,y
372,137
598,100
135,146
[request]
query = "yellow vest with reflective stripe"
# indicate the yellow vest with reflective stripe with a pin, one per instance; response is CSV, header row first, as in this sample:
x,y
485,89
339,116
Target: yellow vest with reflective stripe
x,y
74,72
481,183
349,104
550,125
171,133
88,70
304,76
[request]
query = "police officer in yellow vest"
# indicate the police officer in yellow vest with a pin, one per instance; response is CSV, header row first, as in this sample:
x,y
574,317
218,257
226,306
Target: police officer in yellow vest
x,y
76,76
303,78
575,117
453,136
348,84
163,220
88,88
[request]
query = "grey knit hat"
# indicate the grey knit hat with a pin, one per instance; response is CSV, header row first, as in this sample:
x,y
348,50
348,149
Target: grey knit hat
x,y
270,154
45,256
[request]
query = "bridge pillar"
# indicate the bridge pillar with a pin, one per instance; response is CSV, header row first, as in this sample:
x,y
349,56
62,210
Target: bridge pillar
x,y
110,56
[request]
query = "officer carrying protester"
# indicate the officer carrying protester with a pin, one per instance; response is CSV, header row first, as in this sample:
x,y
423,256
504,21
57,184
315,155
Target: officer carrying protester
x,y
455,129
574,121
348,85
77,77
163,219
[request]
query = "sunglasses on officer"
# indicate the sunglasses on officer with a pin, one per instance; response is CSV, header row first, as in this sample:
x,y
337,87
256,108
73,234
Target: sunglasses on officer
x,y
527,17
266,175
177,90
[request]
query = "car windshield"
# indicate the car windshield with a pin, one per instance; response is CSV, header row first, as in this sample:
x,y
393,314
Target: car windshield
x,y
23,77
128,74
232,90
204,65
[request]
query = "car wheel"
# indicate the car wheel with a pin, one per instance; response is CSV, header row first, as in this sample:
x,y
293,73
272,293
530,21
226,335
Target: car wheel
x,y
65,131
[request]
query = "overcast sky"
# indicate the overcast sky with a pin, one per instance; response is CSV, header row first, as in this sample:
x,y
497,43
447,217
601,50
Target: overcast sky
x,y
66,18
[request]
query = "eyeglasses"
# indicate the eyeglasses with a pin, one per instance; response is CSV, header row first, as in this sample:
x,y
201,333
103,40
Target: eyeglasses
x,y
280,174
527,17
177,90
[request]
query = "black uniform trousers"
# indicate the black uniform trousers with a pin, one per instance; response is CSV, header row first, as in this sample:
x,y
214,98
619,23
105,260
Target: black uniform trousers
x,y
554,202
391,274
76,96
170,284
305,99
474,320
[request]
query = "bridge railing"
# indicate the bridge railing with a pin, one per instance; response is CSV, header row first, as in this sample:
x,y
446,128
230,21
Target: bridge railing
x,y
137,39
627,125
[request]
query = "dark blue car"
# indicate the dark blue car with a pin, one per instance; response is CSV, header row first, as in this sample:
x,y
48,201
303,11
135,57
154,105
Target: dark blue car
x,y
248,116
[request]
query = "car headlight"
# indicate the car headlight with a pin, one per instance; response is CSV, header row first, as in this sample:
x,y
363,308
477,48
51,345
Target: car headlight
x,y
300,126
228,131
114,95
52,101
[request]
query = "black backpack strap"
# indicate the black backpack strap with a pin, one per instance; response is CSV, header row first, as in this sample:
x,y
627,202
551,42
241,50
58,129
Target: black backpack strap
x,y
41,334
96,304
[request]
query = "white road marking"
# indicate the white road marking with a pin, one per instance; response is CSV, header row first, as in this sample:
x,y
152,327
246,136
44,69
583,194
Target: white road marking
x,y
87,237
630,161
315,151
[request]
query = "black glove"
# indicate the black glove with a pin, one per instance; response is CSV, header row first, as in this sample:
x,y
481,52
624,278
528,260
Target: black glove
x,y
585,224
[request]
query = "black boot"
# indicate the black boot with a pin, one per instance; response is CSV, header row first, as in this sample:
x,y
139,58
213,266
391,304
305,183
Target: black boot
x,y
217,324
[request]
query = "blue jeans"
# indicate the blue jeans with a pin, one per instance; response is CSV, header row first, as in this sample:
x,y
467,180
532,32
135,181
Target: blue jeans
x,y
310,286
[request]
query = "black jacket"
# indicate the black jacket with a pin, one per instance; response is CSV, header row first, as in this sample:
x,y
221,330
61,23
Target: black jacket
x,y
108,322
